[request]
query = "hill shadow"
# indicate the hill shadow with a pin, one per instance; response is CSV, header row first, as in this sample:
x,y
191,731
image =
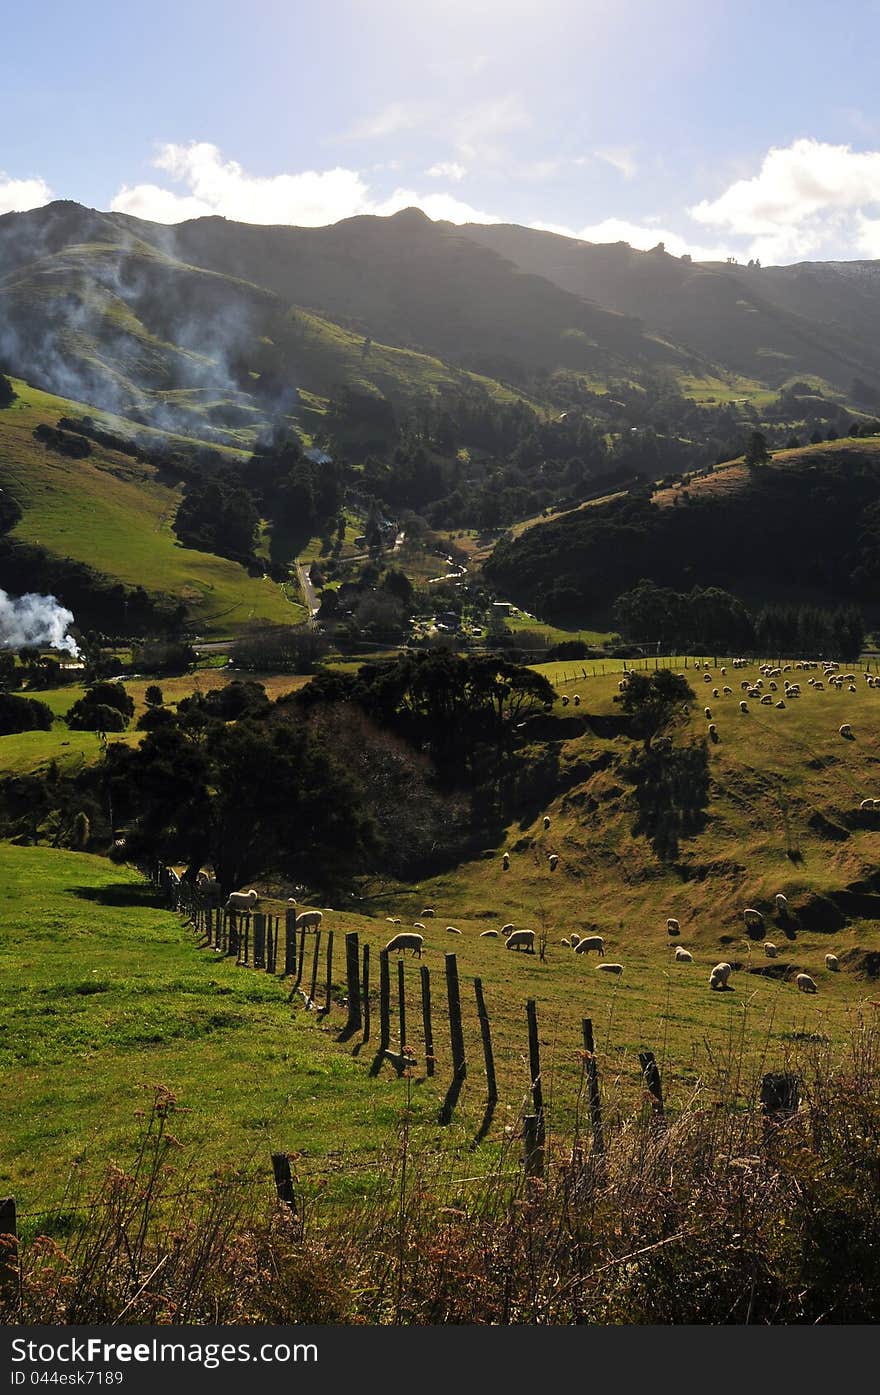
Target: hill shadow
x,y
119,894
672,795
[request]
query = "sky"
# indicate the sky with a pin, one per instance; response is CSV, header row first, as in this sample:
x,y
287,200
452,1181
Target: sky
x,y
745,128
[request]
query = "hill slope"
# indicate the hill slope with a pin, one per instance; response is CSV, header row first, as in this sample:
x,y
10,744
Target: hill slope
x,y
804,526
112,514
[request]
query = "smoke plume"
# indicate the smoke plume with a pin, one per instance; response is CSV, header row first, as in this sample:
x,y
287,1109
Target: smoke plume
x,y
36,620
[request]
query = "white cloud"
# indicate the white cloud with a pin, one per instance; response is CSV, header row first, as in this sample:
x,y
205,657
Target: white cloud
x,y
620,157
803,196
447,169
868,239
642,236
478,132
18,195
396,116
311,198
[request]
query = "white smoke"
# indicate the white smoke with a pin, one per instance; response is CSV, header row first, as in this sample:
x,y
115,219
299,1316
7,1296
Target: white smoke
x,y
37,620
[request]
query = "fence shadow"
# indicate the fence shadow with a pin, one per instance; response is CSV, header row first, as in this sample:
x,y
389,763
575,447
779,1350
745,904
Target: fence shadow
x,y
120,894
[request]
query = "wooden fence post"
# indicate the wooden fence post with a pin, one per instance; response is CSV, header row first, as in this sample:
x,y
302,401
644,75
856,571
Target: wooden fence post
x,y
486,1033
401,1005
384,1001
8,1257
592,1073
425,976
352,977
244,939
456,1032
231,924
327,1001
535,1068
651,1074
365,994
290,940
283,1180
259,940
301,963
533,1145
314,986
780,1097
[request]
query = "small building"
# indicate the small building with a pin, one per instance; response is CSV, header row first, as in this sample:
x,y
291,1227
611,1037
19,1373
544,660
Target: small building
x,y
501,607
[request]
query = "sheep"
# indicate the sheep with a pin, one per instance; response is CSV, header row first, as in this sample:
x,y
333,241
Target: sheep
x,y
488,934
505,862
682,955
728,692
553,859
565,702
591,942
209,888
708,712
506,929
574,939
522,939
576,700
806,984
719,975
393,919
672,926
744,707
713,731
242,900
567,943
845,730
451,930
309,920
609,968
780,703
417,925
832,963
707,678
753,917
724,673
428,911
770,949
546,820
715,693
766,700
405,940
781,903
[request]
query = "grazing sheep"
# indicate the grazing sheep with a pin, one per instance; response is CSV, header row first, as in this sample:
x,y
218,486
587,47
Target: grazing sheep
x,y
428,911
609,968
574,939
672,926
546,820
565,702
417,925
393,920
309,920
209,888
713,731
567,943
833,963
780,703
744,707
576,700
505,862
708,712
766,700
728,692
405,940
591,942
806,984
451,930
682,955
242,900
770,949
522,939
845,730
753,918
707,678
715,693
867,804
488,934
553,859
719,975
781,903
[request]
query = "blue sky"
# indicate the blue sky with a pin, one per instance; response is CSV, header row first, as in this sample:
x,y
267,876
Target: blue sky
x,y
724,129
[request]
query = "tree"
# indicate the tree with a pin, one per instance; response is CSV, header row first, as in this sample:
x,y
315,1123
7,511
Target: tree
x,y
7,394
153,696
757,450
654,702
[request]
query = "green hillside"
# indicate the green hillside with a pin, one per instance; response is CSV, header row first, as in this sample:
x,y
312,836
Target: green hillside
x,y
762,533
113,514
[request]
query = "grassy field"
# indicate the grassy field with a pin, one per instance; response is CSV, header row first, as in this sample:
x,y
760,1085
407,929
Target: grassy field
x,y
112,513
105,993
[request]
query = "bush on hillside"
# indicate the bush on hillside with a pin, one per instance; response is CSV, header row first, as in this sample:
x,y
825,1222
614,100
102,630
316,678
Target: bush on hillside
x,y
23,714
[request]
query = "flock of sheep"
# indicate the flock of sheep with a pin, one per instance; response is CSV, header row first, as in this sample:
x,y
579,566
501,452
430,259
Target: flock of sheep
x,y
764,689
